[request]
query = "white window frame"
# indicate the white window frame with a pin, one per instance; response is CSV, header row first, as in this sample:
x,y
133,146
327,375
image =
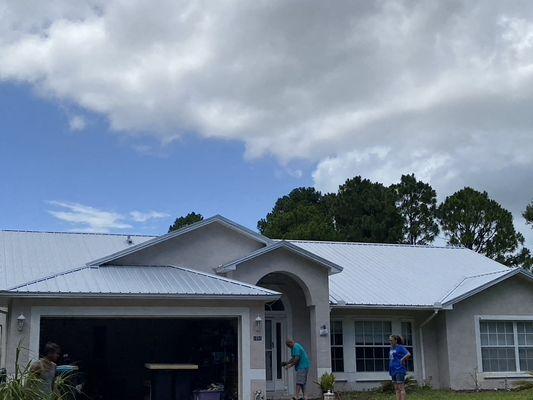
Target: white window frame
x,y
503,374
396,326
343,322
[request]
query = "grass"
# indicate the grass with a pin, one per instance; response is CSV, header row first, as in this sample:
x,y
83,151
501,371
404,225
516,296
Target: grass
x,y
426,394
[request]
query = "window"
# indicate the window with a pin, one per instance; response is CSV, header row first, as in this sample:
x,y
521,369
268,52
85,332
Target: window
x,y
337,351
506,346
407,335
275,306
372,345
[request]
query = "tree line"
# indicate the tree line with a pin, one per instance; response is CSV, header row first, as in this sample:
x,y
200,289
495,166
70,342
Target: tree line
x,y
403,213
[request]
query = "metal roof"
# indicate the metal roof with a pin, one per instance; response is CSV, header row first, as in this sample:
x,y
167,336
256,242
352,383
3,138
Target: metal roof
x,y
380,275
26,256
140,280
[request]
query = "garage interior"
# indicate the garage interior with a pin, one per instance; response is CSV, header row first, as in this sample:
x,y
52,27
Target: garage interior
x,y
112,353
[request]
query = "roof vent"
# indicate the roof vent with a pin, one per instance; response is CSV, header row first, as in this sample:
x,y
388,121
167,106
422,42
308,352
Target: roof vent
x,y
129,240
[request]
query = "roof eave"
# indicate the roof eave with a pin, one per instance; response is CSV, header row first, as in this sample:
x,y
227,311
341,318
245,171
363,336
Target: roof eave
x,y
49,295
334,306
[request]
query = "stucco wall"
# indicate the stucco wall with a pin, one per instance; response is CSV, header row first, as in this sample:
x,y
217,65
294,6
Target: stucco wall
x,y
255,368
511,297
204,249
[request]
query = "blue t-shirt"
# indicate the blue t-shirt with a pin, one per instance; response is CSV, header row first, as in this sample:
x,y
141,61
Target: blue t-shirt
x,y
396,356
299,351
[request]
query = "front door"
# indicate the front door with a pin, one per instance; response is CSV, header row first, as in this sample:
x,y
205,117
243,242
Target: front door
x,y
275,354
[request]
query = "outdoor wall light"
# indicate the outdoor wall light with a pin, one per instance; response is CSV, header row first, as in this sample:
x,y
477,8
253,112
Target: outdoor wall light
x,y
21,320
324,330
258,322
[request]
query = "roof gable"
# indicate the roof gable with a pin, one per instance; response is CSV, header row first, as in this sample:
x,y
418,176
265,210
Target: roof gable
x,y
217,219
332,267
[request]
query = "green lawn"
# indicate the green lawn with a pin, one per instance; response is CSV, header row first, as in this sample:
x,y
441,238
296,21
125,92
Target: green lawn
x,y
442,395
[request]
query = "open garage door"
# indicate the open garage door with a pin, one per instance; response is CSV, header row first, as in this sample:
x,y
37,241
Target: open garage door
x,y
113,353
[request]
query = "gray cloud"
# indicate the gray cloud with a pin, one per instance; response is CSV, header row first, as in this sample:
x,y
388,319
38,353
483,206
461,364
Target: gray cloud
x,y
442,89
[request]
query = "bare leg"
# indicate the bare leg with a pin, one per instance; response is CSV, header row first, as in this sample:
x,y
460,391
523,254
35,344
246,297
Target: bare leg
x,y
403,395
397,391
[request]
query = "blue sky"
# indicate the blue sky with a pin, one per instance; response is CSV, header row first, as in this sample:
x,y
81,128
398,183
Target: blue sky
x,y
121,115
44,161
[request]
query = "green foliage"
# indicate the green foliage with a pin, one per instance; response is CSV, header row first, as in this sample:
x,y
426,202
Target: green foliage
x,y
417,204
524,385
182,222
24,385
528,214
471,219
326,382
365,211
410,385
302,214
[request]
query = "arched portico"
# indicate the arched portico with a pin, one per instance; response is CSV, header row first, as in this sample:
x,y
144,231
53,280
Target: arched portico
x,y
304,285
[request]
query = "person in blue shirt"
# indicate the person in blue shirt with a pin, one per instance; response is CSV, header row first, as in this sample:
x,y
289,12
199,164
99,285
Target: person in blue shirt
x,y
398,357
300,361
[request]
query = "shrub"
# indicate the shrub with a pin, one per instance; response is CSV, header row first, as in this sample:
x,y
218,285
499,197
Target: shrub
x,y
327,382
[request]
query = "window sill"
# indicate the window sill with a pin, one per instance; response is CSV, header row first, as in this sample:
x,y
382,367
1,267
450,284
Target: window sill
x,y
503,375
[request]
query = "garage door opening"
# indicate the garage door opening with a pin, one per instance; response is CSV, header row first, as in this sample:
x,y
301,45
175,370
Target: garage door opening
x,y
112,354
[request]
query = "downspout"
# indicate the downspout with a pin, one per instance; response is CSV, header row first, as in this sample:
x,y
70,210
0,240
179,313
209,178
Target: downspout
x,y
436,310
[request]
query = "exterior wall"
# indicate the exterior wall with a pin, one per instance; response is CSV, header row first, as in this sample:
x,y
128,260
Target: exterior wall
x,y
350,379
252,354
313,280
513,297
204,249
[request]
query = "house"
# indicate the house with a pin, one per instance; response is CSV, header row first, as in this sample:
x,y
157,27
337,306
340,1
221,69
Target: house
x,y
224,297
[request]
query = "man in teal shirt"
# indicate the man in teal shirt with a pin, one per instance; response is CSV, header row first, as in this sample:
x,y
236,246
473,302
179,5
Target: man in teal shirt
x,y
300,361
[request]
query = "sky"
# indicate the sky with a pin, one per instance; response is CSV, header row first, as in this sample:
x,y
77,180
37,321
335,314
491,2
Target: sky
x,y
118,116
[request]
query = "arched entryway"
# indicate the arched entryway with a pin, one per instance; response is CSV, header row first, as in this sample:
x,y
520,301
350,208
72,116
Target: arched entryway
x,y
287,317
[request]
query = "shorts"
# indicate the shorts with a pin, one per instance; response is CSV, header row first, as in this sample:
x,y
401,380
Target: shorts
x,y
301,377
398,378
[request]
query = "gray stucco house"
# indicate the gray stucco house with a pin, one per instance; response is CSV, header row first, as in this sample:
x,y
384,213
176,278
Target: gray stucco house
x,y
108,298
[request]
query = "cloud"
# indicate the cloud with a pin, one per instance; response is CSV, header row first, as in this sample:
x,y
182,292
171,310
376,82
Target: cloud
x,y
89,219
139,216
378,88
77,123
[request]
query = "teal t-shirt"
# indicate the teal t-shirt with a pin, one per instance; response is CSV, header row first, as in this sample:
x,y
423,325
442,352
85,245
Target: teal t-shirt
x,y
299,351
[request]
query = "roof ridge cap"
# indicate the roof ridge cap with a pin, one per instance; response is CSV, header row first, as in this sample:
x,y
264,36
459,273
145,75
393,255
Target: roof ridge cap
x,y
222,278
371,244
75,233
51,276
488,273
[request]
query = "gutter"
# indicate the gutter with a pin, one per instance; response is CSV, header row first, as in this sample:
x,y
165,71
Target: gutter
x,y
436,309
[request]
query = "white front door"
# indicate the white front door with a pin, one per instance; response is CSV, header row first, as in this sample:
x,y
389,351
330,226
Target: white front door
x,y
275,354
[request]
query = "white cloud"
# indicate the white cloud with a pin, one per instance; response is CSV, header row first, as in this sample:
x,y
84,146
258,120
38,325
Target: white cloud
x,y
90,219
77,123
87,218
139,216
441,96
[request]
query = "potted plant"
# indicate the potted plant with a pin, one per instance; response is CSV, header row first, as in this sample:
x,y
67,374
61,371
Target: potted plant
x,y
326,383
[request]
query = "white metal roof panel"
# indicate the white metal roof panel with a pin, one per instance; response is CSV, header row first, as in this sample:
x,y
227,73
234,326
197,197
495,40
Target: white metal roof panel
x,y
26,256
402,275
140,280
